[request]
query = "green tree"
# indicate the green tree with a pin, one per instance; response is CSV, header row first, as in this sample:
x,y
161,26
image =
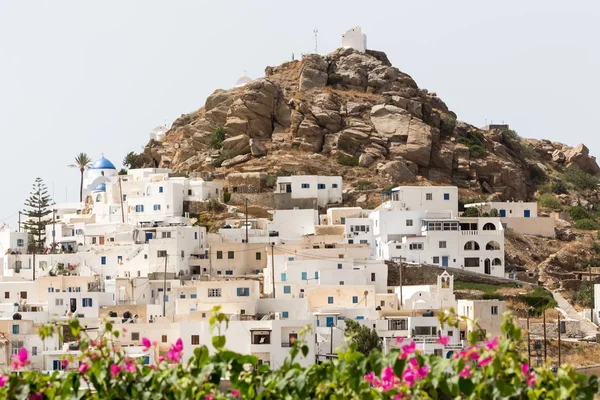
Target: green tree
x,y
82,161
131,160
36,210
217,137
364,338
471,212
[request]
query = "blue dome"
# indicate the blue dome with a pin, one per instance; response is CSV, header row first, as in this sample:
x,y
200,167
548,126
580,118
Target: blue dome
x,y
103,163
100,188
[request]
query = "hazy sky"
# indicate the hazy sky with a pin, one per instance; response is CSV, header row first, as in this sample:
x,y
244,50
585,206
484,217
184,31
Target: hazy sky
x,y
98,76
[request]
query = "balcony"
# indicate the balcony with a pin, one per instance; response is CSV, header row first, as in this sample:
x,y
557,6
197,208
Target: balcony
x,y
286,344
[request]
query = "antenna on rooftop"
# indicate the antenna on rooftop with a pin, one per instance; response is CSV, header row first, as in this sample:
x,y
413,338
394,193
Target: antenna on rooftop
x,y
316,32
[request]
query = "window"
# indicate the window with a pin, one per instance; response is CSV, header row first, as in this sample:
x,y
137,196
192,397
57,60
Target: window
x,y
20,243
316,274
494,310
428,196
330,300
195,340
321,186
163,338
161,189
86,302
156,207
283,277
214,292
195,235
58,302
135,336
190,192
103,260
243,292
304,278
15,329
436,260
354,299
350,241
166,235
409,222
219,255
285,315
442,244
334,185
372,276
161,253
34,351
231,255
398,324
446,196
305,186
290,258
339,266
7,295
341,283
416,246
258,256
228,272
471,262
287,289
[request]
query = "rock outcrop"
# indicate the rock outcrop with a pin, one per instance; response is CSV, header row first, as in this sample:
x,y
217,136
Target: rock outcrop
x,y
304,116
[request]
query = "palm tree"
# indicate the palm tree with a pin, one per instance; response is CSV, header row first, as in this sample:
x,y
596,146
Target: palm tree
x,y
82,161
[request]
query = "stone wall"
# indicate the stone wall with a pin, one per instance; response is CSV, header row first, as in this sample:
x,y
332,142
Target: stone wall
x,y
257,199
427,275
572,328
284,201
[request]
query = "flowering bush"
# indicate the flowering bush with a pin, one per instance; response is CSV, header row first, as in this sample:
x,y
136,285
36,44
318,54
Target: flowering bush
x,y
492,369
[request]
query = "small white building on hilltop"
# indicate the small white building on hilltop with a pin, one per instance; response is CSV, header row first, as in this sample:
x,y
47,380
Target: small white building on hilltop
x,y
326,189
355,39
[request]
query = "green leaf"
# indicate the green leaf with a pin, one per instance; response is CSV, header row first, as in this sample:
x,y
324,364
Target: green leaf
x,y
466,386
218,342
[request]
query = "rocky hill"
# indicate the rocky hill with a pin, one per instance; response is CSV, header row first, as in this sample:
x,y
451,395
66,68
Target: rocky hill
x,y
354,114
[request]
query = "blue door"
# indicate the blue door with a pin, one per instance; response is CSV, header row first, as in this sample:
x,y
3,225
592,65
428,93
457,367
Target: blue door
x,y
329,321
527,213
503,213
444,261
148,236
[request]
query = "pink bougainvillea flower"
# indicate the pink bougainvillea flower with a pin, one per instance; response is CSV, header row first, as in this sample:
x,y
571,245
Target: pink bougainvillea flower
x,y
36,396
83,368
370,377
3,380
23,355
492,344
531,380
388,378
485,361
400,339
407,350
208,397
64,363
465,373
525,368
235,393
423,371
175,351
409,377
146,343
444,340
114,370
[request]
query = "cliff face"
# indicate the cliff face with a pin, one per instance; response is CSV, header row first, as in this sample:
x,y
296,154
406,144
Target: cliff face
x,y
324,114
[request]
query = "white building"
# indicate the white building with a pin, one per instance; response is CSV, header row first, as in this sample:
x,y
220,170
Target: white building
x,y
326,189
355,39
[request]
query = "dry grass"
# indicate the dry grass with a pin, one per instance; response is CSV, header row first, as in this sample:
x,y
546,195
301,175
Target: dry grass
x,y
355,95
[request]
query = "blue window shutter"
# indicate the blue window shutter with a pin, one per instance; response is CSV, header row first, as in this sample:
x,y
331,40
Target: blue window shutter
x,y
316,274
84,302
239,291
283,277
287,289
330,300
304,278
284,314
446,196
360,317
354,299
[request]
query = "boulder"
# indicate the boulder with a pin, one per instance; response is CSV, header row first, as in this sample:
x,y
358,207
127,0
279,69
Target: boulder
x,y
311,135
558,157
366,160
391,122
396,172
257,148
580,157
237,145
236,160
351,140
418,145
313,73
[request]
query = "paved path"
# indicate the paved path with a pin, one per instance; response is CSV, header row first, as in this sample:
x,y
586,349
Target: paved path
x,y
587,327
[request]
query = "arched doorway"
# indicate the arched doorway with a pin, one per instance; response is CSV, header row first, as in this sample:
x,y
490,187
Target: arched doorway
x,y
487,267
489,227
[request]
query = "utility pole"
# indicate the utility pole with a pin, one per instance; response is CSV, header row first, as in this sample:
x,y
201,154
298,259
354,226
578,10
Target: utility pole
x,y
19,221
401,302
331,343
316,32
559,360
121,194
273,266
545,359
165,289
54,230
591,285
528,339
246,220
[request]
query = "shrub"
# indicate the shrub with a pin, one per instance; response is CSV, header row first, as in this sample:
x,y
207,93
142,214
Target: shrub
x,y
271,181
579,179
494,369
226,197
512,134
586,224
217,137
447,124
584,295
388,188
471,212
559,187
578,212
596,247
225,155
549,201
537,174
348,161
474,141
214,205
364,185
527,150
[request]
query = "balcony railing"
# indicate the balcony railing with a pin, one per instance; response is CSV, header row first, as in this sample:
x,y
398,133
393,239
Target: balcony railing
x,y
286,344
475,233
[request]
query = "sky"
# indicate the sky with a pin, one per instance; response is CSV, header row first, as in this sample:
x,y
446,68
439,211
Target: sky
x,y
98,76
